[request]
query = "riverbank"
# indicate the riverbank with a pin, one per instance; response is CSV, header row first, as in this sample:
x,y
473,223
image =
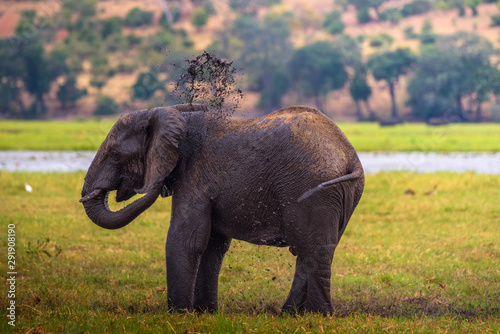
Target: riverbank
x,y
373,162
365,137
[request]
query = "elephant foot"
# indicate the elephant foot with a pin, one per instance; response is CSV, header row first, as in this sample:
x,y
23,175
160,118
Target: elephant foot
x,y
289,309
206,307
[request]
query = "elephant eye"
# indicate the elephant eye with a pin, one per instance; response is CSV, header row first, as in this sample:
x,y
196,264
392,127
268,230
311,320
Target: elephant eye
x,y
115,155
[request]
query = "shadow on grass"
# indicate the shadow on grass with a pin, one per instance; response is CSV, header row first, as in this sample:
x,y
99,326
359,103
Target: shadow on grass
x,y
429,306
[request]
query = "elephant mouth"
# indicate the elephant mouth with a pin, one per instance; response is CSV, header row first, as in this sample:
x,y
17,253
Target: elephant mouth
x,y
125,191
120,196
99,195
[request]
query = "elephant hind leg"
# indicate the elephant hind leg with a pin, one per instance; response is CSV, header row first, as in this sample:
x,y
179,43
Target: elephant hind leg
x,y
296,299
318,268
206,290
310,290
313,234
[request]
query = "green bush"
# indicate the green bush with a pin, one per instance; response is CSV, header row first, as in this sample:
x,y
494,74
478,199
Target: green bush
x,y
200,17
133,39
443,5
410,33
363,16
126,68
106,106
161,40
495,20
416,7
116,42
393,15
111,26
380,40
137,17
176,16
427,36
145,87
333,22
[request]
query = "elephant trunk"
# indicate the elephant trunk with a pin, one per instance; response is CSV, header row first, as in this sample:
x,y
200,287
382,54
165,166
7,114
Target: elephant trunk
x,y
96,206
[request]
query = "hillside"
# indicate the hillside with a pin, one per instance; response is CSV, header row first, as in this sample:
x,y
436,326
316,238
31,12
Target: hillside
x,y
306,27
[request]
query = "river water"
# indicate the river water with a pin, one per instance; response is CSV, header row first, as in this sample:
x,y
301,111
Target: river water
x,y
484,163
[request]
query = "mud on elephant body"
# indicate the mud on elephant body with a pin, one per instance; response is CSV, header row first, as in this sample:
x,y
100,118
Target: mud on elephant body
x,y
290,178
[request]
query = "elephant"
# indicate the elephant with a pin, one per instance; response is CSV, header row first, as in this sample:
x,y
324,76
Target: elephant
x,y
287,179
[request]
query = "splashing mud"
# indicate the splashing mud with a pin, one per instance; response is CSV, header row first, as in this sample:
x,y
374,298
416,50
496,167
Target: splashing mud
x,y
210,80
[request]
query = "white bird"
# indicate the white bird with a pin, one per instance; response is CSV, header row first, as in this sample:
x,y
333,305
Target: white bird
x,y
28,187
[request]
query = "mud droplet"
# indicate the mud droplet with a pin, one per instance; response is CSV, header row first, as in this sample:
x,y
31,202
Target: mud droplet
x,y
210,80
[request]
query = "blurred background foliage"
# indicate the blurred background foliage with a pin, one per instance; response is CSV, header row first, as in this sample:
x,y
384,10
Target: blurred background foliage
x,y
357,60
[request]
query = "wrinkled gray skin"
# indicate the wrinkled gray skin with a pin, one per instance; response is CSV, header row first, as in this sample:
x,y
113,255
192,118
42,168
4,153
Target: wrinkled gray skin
x,y
290,178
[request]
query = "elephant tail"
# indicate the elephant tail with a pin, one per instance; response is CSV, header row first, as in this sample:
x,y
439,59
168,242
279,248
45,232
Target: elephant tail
x,y
356,173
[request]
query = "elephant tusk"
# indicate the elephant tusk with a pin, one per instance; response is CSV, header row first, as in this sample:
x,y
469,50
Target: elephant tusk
x,y
90,196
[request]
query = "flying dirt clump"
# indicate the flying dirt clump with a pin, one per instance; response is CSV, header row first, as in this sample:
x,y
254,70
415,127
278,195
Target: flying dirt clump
x,y
210,80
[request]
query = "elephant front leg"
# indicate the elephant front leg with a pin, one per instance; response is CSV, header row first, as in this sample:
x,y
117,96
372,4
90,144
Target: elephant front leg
x,y
206,290
187,240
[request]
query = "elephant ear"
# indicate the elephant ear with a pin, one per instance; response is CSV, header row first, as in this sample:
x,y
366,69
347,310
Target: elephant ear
x,y
164,131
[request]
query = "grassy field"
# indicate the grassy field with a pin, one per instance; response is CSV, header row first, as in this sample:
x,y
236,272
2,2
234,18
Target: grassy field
x,y
88,135
405,264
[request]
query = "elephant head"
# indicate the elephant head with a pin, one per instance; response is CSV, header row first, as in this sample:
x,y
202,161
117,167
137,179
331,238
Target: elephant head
x,y
140,151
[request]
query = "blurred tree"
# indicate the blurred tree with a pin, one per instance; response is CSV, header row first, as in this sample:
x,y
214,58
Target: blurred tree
x,y
366,4
416,7
350,50
11,71
307,20
145,87
381,40
36,77
427,35
69,93
389,66
456,69
410,33
343,4
363,7
87,8
250,7
392,15
106,106
161,40
363,16
473,5
176,16
351,56
137,17
264,51
199,17
271,97
58,62
333,23
460,5
495,20
100,71
32,28
360,91
316,69
133,39
110,26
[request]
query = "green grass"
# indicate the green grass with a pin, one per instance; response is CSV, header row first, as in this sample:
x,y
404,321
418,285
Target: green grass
x,y
54,135
405,264
88,135
421,137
